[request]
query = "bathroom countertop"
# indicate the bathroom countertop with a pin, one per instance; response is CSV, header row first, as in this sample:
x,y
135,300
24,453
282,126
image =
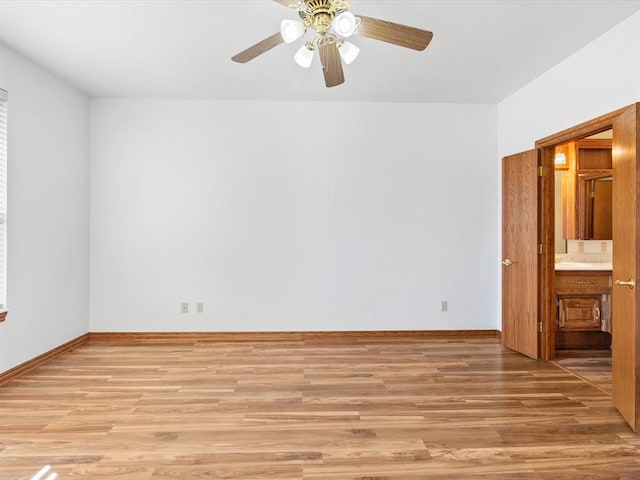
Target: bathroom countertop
x,y
583,261
583,266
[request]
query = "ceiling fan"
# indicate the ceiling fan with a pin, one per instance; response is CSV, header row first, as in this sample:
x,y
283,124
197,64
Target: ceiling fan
x,y
333,23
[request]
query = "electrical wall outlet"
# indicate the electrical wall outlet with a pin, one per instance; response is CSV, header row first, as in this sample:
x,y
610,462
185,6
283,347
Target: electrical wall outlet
x,y
444,306
200,307
184,307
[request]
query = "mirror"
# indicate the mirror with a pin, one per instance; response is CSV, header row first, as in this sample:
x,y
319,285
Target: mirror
x,y
583,180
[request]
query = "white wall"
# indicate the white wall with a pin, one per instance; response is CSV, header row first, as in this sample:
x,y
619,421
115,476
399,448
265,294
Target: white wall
x,y
218,202
600,78
47,211
292,216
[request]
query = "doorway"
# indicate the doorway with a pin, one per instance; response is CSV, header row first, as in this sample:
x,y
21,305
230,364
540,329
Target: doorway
x,y
583,211
625,347
583,247
625,227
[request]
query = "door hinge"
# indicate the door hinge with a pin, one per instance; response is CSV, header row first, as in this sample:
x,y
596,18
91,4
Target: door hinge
x,y
540,248
542,171
540,327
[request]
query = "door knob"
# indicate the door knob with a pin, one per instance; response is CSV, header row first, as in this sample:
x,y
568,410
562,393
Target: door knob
x,y
506,262
629,283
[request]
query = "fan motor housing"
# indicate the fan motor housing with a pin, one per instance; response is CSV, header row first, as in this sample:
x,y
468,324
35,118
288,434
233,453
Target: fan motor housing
x,y
319,14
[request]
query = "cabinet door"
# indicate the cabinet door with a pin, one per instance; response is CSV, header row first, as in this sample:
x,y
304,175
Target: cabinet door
x,y
579,313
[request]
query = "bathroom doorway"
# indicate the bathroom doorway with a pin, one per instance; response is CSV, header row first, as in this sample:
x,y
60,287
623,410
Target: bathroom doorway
x,y
583,187
625,348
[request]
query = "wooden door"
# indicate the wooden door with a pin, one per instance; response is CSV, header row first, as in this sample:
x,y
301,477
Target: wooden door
x,y
601,207
520,253
625,295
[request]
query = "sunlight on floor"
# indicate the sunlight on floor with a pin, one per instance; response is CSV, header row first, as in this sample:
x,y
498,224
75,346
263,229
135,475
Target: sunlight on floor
x,y
42,472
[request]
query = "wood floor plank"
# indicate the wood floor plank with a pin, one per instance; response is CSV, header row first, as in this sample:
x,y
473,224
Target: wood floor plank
x,y
336,409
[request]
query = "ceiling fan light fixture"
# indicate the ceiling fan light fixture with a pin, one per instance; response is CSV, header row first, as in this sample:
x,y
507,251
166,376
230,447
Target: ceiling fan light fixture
x,y
333,24
291,30
304,56
345,24
349,52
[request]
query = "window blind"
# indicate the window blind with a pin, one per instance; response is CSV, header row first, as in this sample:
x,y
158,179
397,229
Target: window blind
x,y
3,199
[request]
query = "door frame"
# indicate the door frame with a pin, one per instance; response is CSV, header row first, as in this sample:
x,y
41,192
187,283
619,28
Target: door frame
x,y
546,149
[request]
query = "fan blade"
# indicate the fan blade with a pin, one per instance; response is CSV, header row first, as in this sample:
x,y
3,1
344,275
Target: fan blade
x,y
259,48
395,33
331,63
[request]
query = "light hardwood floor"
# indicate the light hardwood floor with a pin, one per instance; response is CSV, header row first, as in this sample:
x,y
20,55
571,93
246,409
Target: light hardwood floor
x,y
378,409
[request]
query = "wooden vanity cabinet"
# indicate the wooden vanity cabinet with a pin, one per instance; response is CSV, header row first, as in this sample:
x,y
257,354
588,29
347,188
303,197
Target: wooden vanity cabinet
x,y
583,300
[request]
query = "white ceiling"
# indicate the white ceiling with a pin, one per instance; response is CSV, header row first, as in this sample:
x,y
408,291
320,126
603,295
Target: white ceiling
x,y
482,51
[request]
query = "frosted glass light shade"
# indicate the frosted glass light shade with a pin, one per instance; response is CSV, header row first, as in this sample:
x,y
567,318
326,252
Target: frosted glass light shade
x,y
304,56
291,30
345,24
348,52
